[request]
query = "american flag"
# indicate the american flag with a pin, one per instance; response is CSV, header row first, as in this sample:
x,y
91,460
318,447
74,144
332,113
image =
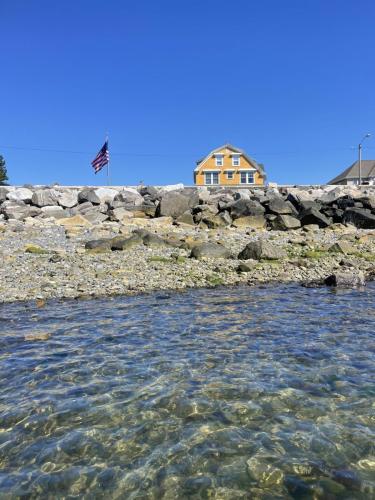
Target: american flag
x,y
101,159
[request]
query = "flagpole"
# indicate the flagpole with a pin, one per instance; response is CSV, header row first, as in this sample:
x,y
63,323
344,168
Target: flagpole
x,y
106,140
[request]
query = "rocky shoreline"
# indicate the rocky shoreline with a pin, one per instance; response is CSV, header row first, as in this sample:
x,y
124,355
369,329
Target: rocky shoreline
x,y
90,242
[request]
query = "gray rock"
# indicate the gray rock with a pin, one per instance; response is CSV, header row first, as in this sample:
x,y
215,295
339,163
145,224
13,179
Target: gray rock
x,y
359,217
175,203
3,193
44,197
121,243
285,223
153,240
186,218
279,206
346,279
221,220
149,191
106,195
251,221
129,197
67,199
54,211
313,216
242,208
262,249
18,210
101,245
210,250
118,214
95,217
88,195
20,194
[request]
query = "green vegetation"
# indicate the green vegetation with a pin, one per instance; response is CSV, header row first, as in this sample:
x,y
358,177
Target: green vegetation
x,y
3,172
315,254
35,249
214,280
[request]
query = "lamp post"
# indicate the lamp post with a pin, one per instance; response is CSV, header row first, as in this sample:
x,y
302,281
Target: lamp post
x,y
360,158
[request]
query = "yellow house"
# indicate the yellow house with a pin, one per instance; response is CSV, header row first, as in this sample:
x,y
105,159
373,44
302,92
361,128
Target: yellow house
x,y
228,166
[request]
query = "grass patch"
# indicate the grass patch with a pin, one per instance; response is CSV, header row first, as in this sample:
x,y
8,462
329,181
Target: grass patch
x,y
215,280
35,249
315,254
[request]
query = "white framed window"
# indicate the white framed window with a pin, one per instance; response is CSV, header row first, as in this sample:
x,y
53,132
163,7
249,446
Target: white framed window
x,y
219,160
211,178
236,160
230,174
247,177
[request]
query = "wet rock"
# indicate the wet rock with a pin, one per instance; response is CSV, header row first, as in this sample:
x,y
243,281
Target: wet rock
x,y
37,336
262,249
210,250
360,217
285,223
313,216
346,279
264,473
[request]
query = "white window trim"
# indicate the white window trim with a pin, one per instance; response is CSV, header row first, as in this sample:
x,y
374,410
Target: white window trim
x,y
236,157
211,172
247,169
231,173
247,183
219,156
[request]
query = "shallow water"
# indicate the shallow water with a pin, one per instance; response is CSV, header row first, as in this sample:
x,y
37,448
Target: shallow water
x,y
224,393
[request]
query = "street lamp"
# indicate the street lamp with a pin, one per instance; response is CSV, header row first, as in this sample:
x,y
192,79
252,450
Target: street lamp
x,y
360,157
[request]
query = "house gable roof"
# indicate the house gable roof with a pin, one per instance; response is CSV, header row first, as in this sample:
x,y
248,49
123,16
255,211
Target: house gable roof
x,y
352,172
235,150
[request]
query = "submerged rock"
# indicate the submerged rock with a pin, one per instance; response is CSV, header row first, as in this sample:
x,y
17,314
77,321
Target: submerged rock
x,y
346,279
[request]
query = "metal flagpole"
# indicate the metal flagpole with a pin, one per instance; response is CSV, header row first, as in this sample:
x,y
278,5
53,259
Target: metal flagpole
x,y
106,140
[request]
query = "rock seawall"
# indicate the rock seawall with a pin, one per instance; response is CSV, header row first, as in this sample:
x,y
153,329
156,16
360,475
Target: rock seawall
x,y
284,208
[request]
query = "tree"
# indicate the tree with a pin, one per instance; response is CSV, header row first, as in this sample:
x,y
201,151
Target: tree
x,y
3,172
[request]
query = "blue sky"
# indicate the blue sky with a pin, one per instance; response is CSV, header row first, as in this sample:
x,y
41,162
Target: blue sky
x,y
291,82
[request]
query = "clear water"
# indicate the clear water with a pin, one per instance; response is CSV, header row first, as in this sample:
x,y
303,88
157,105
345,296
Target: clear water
x,y
240,393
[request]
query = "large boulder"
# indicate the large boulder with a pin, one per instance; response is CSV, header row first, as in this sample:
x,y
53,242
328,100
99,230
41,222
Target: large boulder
x,y
172,187
262,249
105,195
243,208
279,206
20,194
123,243
175,203
359,217
285,223
44,197
150,191
129,196
88,195
67,199
54,211
18,210
75,221
346,279
98,246
219,220
313,216
210,250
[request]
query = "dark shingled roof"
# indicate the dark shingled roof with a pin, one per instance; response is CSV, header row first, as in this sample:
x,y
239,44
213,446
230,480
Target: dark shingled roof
x,y
352,172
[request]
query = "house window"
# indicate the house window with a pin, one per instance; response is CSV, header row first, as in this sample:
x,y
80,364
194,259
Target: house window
x,y
247,177
211,178
236,161
229,175
219,159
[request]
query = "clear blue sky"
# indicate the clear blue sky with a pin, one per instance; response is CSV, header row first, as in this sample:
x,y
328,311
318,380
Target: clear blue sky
x,y
292,82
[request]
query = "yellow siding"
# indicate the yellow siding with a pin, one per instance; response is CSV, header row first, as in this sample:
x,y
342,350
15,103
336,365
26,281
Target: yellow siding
x,y
210,164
